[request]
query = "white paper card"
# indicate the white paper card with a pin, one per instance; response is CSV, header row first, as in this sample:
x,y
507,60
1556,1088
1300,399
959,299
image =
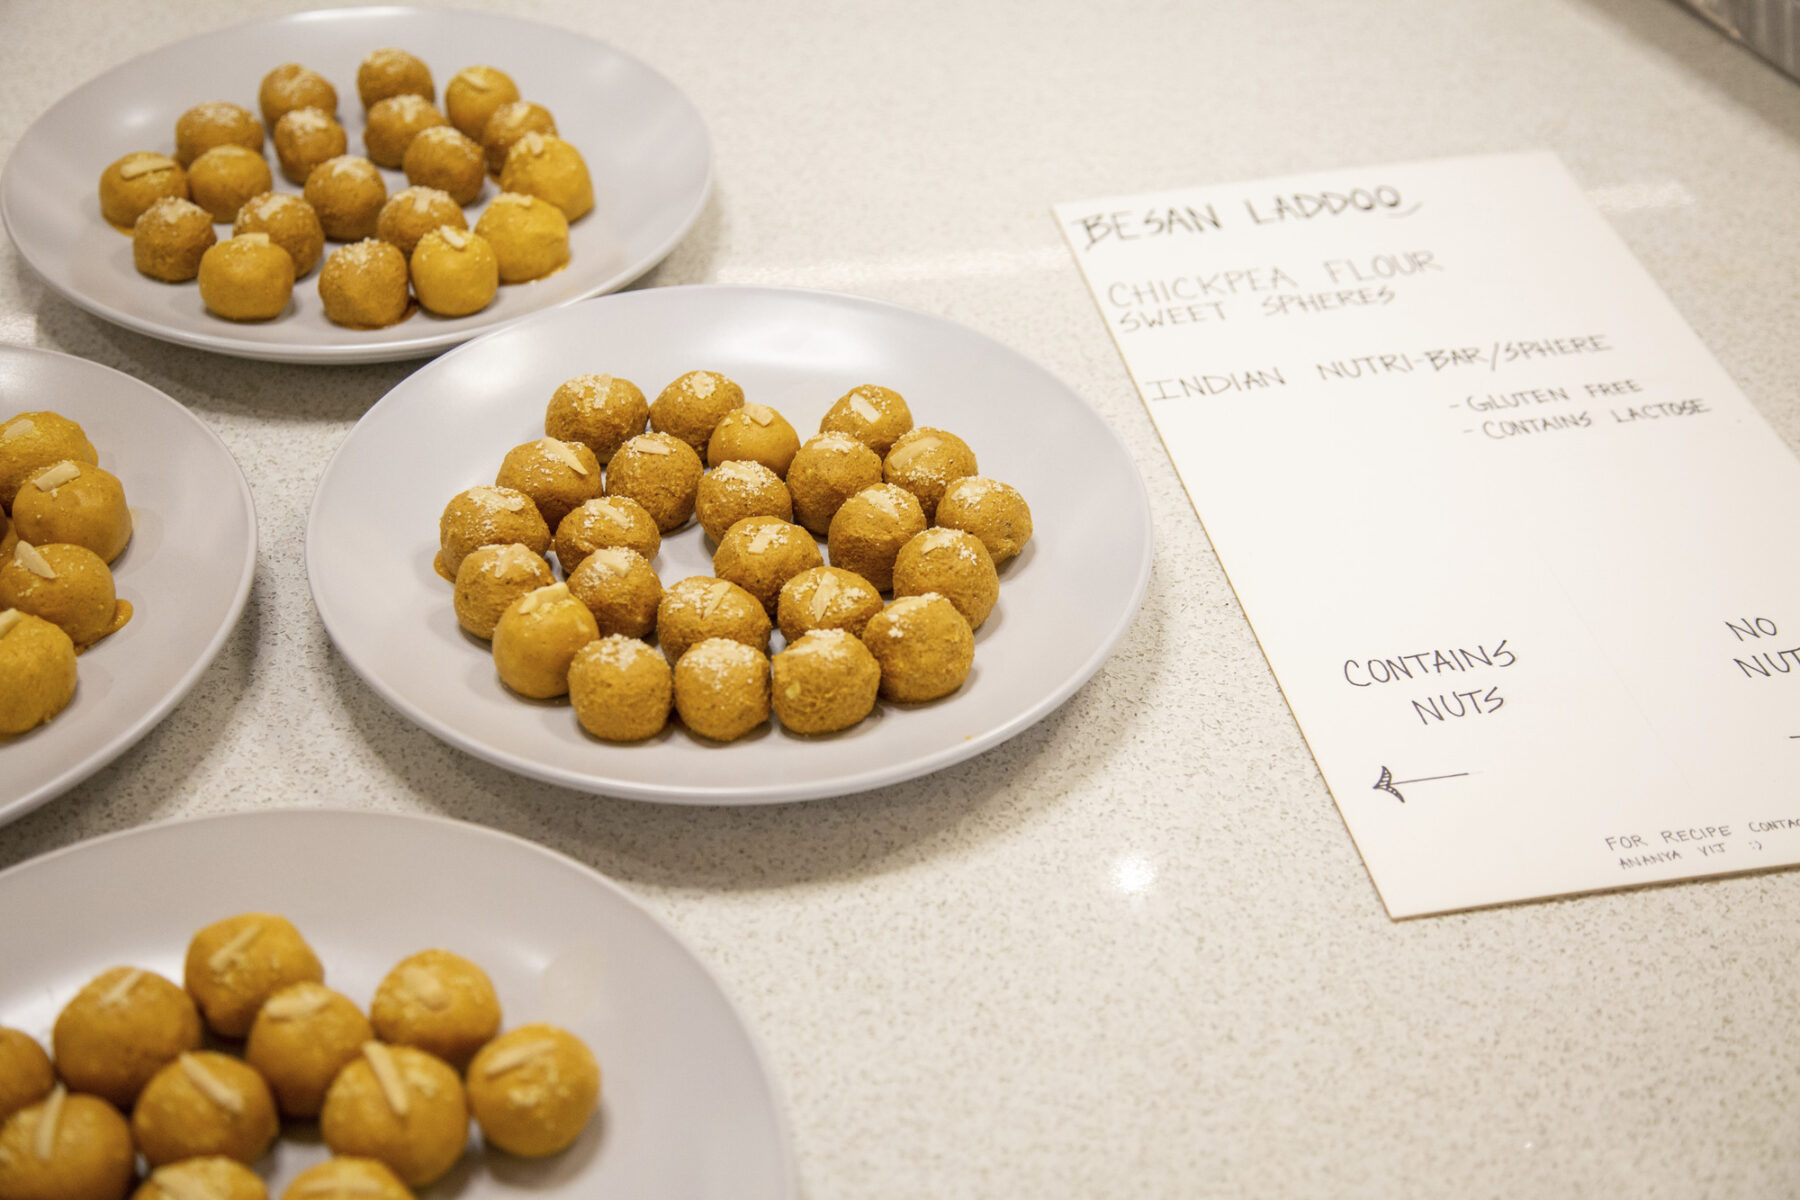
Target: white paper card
x,y
1520,554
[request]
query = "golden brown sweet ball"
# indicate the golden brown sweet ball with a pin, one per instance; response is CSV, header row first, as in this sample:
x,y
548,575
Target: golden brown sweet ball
x,y
224,177
533,1089
455,273
926,461
722,689
828,470
131,184
487,516
438,1001
545,166
473,94
558,476
993,511
345,1178
392,72
601,411
620,589
870,527
301,1038
69,586
413,212
37,660
291,86
211,1178
737,489
953,564
490,579
760,554
825,598
529,236
246,278
754,432
703,607
306,137
508,124
235,964
924,646
213,124
442,158
75,503
364,285
400,1106
873,415
605,521
536,638
824,682
692,406
659,471
66,1147
120,1029
347,192
203,1104
25,1072
622,691
289,222
394,123
170,238
31,442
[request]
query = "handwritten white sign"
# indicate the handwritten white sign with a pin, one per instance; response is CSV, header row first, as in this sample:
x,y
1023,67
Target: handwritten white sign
x,y
1520,553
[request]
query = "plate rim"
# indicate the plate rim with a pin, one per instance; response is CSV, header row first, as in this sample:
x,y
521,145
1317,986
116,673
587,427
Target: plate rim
x,y
124,739
455,827
359,353
689,795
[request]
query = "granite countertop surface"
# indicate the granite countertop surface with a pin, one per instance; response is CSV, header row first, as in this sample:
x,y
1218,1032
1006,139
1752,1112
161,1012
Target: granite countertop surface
x,y
1132,950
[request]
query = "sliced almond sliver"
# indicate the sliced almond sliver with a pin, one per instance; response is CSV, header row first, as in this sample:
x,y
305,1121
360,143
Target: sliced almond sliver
x,y
425,987
148,165
344,1187
760,413
56,476
44,1144
881,499
387,1074
614,560
8,618
18,428
823,595
505,1060
476,79
179,1186
860,405
210,1085
715,596
651,446
226,955
763,538
561,452
254,239
291,1006
26,555
912,450
456,237
120,989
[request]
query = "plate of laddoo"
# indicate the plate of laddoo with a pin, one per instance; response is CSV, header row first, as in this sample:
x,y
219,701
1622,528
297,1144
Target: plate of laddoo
x,y
724,545
356,185
316,1005
127,547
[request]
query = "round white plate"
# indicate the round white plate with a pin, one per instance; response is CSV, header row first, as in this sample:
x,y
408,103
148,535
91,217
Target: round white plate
x,y
645,146
687,1108
186,572
1064,603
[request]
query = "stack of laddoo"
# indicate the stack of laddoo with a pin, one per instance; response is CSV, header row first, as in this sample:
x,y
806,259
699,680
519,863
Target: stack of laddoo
x,y
414,244
901,509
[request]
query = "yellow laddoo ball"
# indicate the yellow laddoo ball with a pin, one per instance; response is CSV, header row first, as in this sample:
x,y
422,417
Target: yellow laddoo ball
x,y
692,406
760,554
170,238
301,1038
828,470
37,659
439,1002
558,476
823,683
875,416
926,461
868,530
473,94
455,273
344,1178
621,690
31,442
224,177
288,221
490,579
530,237
66,1147
533,1089
119,1030
76,504
659,471
508,123
204,1103
825,598
953,564
393,124
213,124
413,212
212,1178
924,646
133,183
364,285
737,489
600,411
442,158
291,86
26,1075
400,1106
620,589
754,432
305,138
348,193
67,585
487,516
722,689
392,72
702,607
246,278
545,166
537,637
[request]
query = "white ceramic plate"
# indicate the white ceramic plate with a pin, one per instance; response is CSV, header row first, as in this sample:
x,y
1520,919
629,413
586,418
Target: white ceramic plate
x,y
1064,603
687,1108
186,572
644,143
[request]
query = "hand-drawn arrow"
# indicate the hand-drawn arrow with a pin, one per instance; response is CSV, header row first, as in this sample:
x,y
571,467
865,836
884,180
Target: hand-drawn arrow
x,y
1387,782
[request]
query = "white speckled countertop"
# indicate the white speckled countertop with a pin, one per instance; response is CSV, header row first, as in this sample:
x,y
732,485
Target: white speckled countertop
x,y
1133,951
